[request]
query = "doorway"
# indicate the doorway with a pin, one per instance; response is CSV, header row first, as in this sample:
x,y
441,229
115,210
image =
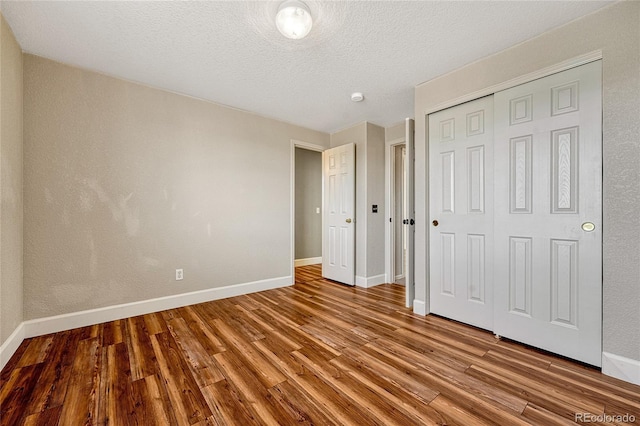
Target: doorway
x,y
306,204
396,194
400,211
398,204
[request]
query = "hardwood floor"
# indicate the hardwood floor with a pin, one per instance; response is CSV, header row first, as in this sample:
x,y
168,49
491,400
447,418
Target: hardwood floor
x,y
314,353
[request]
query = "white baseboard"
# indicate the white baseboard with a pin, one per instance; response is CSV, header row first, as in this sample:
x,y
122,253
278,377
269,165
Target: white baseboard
x,y
54,324
58,323
367,282
620,367
307,261
10,346
419,307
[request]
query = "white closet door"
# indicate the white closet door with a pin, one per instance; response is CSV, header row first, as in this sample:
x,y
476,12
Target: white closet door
x,y
548,213
461,231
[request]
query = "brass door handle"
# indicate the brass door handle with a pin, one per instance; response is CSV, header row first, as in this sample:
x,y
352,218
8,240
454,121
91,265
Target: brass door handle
x,y
588,226
435,223
348,220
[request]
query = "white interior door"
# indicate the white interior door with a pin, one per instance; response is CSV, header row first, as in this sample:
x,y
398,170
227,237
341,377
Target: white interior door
x,y
409,163
548,213
461,232
338,248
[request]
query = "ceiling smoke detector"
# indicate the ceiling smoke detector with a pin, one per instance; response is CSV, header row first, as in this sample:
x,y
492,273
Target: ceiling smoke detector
x,y
294,19
357,97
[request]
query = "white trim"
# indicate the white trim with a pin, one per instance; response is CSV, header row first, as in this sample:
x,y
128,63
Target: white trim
x,y
367,282
292,196
306,145
389,182
526,78
307,261
396,141
54,324
10,346
419,307
620,367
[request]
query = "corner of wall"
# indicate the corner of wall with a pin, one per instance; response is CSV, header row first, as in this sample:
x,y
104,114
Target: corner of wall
x,y
12,190
622,368
419,307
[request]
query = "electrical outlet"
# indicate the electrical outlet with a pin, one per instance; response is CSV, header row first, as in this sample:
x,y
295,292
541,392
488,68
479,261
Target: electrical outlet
x,y
179,274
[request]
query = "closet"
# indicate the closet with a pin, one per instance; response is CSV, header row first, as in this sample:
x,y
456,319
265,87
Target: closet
x,y
515,190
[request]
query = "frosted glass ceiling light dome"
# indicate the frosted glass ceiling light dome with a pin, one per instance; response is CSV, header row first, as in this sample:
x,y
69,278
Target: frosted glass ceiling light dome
x,y
294,19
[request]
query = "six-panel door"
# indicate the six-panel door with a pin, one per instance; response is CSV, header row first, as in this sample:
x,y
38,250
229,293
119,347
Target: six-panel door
x,y
460,185
338,248
548,184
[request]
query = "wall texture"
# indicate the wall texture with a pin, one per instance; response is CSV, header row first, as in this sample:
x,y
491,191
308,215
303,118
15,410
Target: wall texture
x,y
11,115
308,183
616,31
125,183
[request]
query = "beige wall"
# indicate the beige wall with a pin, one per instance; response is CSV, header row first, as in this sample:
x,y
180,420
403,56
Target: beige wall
x,y
397,131
616,31
375,195
308,189
125,183
11,97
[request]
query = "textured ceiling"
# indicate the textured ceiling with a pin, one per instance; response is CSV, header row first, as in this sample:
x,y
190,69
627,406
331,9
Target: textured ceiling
x,y
231,53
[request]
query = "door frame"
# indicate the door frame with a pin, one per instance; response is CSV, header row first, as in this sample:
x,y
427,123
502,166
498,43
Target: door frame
x,y
422,307
292,198
389,201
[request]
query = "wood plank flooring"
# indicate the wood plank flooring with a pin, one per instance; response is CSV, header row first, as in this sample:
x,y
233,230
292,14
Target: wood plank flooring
x,y
314,353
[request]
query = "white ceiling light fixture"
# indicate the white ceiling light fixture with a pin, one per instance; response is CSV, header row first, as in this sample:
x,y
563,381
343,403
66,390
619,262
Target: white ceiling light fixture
x,y
294,19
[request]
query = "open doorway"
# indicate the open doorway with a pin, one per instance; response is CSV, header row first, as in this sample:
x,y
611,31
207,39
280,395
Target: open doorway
x,y
400,211
306,205
399,203
397,256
